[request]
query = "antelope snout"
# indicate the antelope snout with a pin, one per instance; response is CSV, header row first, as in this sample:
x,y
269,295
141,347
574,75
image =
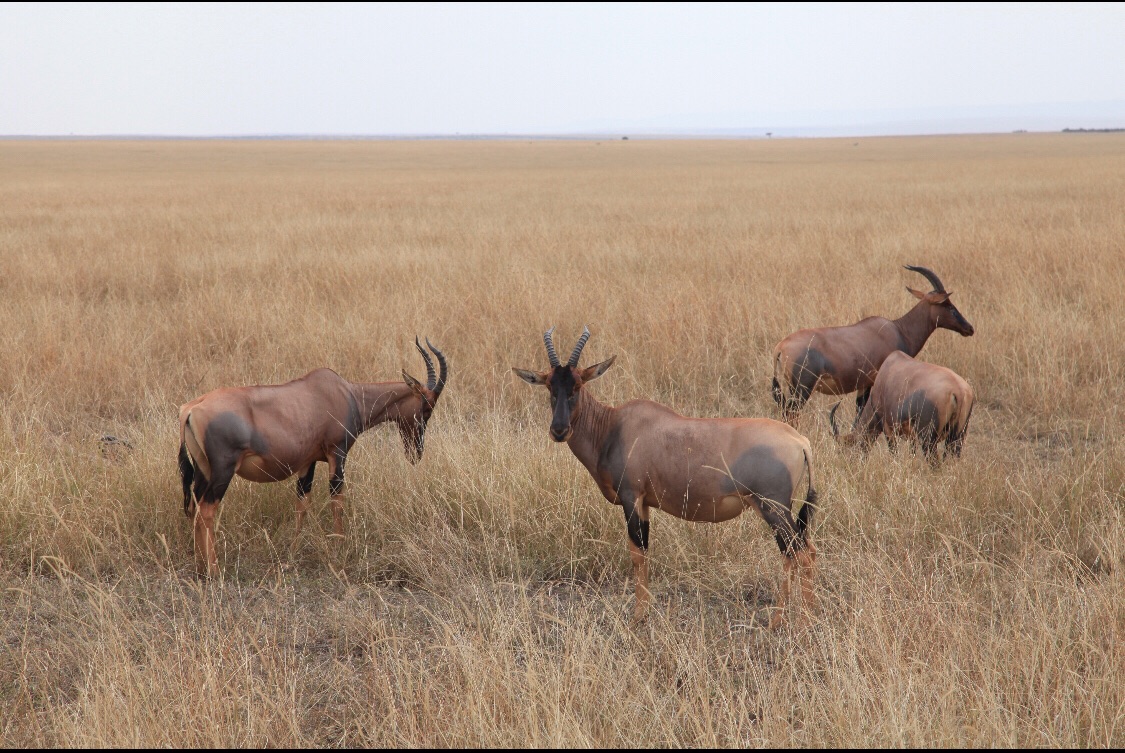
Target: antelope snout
x,y
561,434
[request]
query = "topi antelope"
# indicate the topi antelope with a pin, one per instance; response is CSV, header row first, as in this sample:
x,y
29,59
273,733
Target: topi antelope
x,y
269,432
643,456
840,360
928,403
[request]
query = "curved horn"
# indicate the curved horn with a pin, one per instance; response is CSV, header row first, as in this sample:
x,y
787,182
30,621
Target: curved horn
x,y
444,373
551,354
578,348
431,378
929,275
832,420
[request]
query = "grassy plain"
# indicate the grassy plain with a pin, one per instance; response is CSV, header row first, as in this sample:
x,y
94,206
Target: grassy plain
x,y
482,597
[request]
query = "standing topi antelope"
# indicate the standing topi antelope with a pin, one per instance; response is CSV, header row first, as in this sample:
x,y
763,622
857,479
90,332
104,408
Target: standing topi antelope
x,y
929,404
840,360
643,456
269,432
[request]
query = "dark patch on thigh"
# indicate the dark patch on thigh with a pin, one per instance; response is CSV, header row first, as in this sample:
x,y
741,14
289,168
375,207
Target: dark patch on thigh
x,y
808,370
761,472
229,435
212,490
921,414
761,475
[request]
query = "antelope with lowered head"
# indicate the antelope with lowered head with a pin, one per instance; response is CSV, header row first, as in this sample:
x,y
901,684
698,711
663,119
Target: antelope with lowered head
x,y
841,360
645,457
269,432
926,403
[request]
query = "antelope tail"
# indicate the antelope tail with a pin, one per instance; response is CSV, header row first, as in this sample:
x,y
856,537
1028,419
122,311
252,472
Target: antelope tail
x,y
187,474
778,395
958,423
805,515
194,448
954,419
193,461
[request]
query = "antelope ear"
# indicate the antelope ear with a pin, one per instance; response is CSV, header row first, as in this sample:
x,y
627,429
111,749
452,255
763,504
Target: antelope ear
x,y
938,298
916,293
590,373
531,377
412,383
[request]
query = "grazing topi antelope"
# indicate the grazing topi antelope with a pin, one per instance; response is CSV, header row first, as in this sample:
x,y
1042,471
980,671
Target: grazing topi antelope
x,y
929,404
840,360
643,456
269,432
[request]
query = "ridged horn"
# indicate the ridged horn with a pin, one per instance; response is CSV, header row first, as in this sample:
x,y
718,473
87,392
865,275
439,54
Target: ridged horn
x,y
578,348
443,374
929,275
552,356
431,377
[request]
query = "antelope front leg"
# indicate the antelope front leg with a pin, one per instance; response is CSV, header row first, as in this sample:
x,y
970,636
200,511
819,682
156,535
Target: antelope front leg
x,y
336,486
636,522
304,485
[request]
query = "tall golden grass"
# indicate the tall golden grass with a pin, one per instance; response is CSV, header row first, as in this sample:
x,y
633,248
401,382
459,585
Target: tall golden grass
x,y
482,597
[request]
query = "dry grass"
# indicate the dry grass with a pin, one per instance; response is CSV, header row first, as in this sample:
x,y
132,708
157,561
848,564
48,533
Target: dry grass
x,y
482,597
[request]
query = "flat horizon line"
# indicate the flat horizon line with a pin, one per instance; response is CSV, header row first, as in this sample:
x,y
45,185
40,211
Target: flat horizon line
x,y
687,134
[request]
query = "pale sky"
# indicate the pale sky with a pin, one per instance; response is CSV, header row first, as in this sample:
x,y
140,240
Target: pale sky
x,y
548,69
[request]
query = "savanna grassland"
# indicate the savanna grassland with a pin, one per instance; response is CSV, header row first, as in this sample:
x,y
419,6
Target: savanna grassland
x,y
483,597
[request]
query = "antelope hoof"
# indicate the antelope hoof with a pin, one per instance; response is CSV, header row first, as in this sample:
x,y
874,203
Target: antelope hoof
x,y
207,573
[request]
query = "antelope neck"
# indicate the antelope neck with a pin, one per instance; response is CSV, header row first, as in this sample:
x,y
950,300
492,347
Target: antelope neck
x,y
591,429
916,327
379,402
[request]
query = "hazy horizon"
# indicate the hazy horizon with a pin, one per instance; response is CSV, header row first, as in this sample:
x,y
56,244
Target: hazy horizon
x,y
393,71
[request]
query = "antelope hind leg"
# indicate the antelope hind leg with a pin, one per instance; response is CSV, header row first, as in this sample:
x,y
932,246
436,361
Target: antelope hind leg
x,y
806,562
206,558
788,573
